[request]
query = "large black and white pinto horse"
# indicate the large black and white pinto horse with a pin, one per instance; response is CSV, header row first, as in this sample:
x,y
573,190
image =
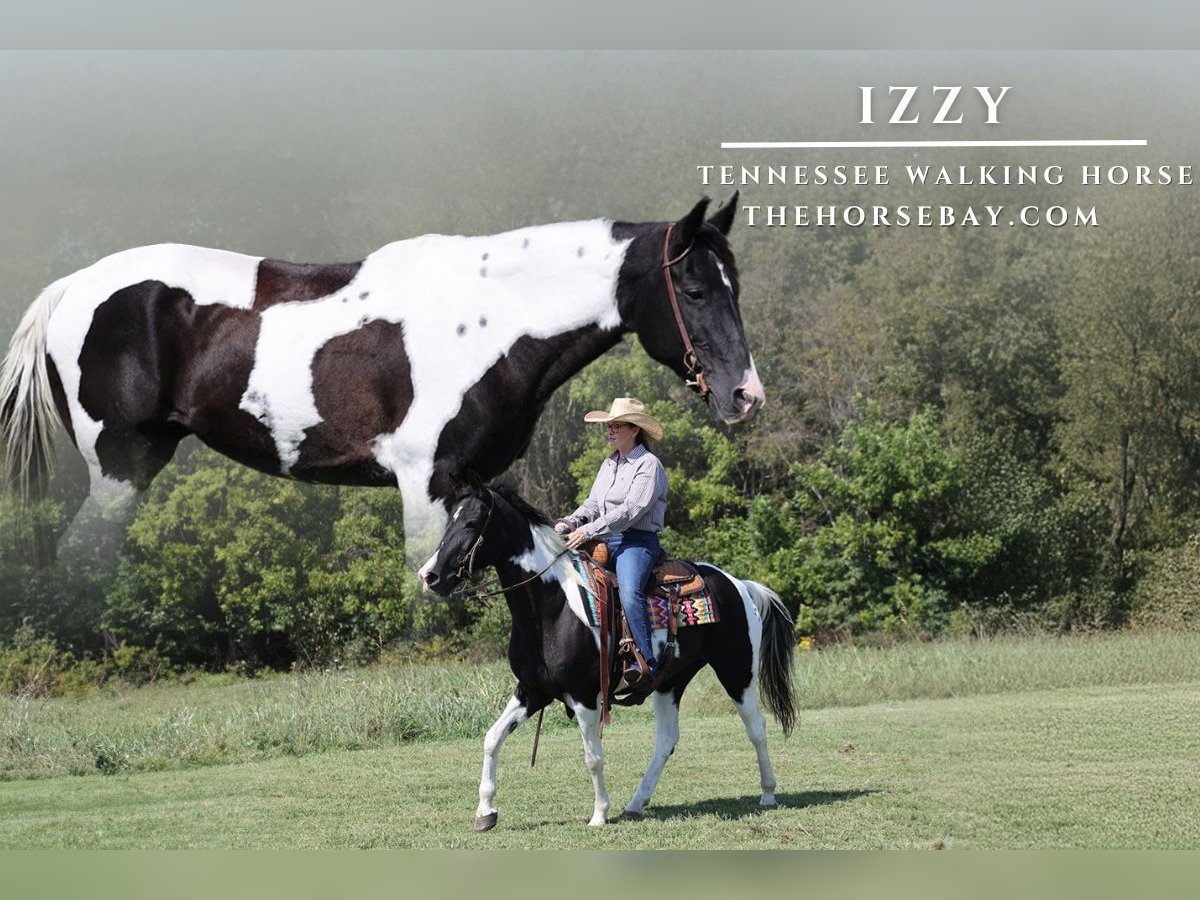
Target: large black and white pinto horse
x,y
554,652
427,362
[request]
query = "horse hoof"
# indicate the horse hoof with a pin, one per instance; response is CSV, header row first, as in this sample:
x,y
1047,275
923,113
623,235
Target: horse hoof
x,y
630,815
485,823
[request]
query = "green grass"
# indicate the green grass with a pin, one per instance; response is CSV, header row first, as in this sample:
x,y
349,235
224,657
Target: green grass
x,y
1079,767
1033,742
219,721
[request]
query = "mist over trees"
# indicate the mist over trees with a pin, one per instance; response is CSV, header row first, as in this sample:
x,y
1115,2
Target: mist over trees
x,y
966,429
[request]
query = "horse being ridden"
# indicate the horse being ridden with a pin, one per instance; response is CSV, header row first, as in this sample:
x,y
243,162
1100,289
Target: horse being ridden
x,y
554,652
426,363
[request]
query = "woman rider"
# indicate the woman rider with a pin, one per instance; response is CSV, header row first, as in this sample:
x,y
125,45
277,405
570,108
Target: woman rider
x,y
626,507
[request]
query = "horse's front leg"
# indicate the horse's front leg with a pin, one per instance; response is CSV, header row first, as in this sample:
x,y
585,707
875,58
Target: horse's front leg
x,y
666,736
516,712
593,756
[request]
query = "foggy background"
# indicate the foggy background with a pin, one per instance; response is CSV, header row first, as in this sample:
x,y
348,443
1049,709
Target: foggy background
x,y
327,156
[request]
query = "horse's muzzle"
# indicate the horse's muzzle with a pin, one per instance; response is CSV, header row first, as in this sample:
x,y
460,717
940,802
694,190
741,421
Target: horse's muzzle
x,y
434,583
748,402
748,398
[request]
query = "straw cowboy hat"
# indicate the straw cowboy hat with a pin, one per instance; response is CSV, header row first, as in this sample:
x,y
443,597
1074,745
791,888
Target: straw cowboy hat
x,y
628,409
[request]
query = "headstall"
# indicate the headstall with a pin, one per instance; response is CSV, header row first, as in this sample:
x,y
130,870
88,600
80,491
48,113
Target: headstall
x,y
696,380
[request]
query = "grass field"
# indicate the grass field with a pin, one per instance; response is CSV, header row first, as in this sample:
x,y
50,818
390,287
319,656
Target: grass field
x,y
1039,742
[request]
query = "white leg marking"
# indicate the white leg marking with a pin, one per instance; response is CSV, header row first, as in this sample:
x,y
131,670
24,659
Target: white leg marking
x,y
593,757
756,729
748,706
666,736
514,714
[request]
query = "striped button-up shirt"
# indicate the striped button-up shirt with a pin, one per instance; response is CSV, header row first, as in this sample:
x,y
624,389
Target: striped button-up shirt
x,y
629,492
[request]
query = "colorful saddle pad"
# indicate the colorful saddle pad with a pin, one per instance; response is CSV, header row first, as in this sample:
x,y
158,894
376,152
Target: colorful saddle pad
x,y
679,590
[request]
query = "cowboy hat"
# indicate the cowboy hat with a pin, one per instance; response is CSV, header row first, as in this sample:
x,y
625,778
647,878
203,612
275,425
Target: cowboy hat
x,y
632,411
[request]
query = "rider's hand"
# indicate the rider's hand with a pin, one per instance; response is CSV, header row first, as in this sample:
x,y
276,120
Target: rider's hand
x,y
562,528
576,538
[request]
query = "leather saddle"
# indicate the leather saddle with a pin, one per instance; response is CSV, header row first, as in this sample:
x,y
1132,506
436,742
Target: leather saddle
x,y
672,578
673,582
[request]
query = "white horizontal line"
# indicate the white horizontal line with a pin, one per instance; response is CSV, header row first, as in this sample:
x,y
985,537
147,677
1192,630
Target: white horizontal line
x,y
815,145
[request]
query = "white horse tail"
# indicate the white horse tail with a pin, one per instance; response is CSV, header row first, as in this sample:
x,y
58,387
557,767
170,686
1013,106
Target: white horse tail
x,y
28,417
775,654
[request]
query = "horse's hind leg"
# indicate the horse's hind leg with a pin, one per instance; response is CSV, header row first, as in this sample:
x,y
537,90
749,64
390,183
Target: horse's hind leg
x,y
737,670
121,465
519,708
666,736
756,729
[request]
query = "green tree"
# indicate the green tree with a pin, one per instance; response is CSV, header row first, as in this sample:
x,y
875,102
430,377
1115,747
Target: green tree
x,y
1131,408
225,565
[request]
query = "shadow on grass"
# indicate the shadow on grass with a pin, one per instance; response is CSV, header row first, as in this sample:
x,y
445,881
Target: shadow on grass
x,y
722,808
742,807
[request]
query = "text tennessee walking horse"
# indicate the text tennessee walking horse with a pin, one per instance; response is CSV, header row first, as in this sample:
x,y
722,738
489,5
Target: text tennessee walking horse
x,y
554,654
427,362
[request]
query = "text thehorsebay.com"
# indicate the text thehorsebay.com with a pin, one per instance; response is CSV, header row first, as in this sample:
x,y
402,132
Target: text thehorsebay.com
x,y
903,107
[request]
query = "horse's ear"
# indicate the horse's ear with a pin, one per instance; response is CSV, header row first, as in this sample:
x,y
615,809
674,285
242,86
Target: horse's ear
x,y
722,219
687,228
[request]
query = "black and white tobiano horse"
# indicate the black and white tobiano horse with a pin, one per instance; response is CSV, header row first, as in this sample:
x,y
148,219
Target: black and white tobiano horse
x,y
554,652
427,362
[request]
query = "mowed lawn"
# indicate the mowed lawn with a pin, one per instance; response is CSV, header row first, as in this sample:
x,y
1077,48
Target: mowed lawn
x,y
1107,765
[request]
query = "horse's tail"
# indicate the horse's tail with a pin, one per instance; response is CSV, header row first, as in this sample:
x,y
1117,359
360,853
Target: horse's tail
x,y
775,654
27,413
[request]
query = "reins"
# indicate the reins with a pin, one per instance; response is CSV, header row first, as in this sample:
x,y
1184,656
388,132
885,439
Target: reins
x,y
522,583
691,361
466,566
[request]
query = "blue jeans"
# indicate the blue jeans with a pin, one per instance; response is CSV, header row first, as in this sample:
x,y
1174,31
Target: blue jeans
x,y
635,553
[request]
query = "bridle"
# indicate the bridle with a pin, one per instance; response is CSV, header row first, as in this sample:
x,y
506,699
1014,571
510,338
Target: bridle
x,y
466,566
696,380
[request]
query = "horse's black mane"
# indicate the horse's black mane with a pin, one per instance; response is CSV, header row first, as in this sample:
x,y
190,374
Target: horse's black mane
x,y
519,503
707,238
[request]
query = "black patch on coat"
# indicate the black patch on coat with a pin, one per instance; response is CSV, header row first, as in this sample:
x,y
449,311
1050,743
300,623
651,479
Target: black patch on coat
x,y
128,375
155,366
213,382
362,385
495,422
286,282
59,395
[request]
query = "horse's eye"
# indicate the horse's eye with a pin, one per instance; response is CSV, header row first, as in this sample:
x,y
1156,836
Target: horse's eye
x,y
694,294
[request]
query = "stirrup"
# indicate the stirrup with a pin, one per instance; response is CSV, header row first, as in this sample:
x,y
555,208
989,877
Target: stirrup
x,y
637,678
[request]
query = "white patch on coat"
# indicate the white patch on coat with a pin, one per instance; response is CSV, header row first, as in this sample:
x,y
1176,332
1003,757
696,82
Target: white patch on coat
x,y
750,380
429,564
724,274
209,276
534,282
433,286
547,544
279,392
754,620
